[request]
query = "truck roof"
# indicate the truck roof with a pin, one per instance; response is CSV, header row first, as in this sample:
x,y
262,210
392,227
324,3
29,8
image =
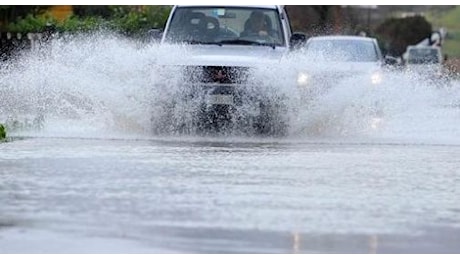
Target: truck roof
x,y
423,47
342,37
217,5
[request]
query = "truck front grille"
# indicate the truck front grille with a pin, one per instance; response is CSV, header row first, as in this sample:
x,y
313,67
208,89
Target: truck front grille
x,y
217,74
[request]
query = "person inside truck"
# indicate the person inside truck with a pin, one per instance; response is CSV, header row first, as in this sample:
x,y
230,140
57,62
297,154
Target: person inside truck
x,y
257,24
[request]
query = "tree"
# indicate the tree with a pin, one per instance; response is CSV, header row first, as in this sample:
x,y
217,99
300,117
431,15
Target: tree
x,y
316,19
397,33
92,10
323,12
9,13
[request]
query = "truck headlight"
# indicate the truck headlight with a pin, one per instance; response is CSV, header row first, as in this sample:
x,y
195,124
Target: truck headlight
x,y
302,79
376,78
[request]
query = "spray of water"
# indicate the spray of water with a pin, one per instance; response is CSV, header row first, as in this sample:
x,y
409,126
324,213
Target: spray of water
x,y
101,85
87,85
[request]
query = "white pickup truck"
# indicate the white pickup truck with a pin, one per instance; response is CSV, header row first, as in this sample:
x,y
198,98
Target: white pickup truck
x,y
426,63
219,90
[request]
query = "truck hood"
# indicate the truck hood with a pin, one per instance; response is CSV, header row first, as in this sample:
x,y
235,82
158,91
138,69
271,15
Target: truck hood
x,y
225,55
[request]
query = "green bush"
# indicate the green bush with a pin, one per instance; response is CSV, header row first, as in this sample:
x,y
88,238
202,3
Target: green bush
x,y
31,23
123,19
127,20
81,24
2,132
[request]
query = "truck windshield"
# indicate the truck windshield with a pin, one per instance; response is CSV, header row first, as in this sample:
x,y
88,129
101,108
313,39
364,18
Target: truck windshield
x,y
342,50
423,56
225,25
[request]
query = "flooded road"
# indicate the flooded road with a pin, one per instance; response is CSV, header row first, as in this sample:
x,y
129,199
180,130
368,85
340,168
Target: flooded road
x,y
82,171
228,195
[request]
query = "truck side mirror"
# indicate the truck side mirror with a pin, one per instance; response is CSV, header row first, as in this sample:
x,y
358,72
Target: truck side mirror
x,y
297,40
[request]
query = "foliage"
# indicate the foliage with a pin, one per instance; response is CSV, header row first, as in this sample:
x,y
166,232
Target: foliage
x,y
9,13
45,22
397,33
81,24
2,132
31,23
125,19
91,10
451,45
449,18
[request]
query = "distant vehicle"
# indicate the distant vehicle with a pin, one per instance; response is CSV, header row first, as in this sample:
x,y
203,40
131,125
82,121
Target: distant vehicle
x,y
425,62
424,55
338,58
224,50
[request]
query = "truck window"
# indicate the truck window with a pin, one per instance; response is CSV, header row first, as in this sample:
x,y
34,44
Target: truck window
x,y
342,50
423,56
215,24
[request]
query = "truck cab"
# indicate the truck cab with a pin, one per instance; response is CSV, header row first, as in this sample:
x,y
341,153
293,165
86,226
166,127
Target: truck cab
x,y
230,25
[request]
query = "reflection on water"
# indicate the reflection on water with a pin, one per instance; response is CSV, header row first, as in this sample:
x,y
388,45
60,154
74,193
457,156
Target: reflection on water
x,y
296,242
373,244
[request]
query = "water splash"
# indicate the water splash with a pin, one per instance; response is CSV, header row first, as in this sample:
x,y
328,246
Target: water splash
x,y
99,85
89,83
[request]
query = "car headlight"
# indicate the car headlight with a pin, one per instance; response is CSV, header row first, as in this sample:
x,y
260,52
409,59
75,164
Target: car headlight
x,y
376,78
302,79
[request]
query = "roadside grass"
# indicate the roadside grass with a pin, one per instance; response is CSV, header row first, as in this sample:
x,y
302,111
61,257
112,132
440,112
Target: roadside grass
x,y
450,20
452,44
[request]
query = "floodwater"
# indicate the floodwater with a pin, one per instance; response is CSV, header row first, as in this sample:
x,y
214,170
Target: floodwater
x,y
92,178
228,196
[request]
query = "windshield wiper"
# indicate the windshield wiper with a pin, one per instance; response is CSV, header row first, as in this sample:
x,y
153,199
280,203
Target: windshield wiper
x,y
232,41
202,42
246,42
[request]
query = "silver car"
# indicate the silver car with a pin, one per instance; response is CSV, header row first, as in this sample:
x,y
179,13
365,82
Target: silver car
x,y
336,59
